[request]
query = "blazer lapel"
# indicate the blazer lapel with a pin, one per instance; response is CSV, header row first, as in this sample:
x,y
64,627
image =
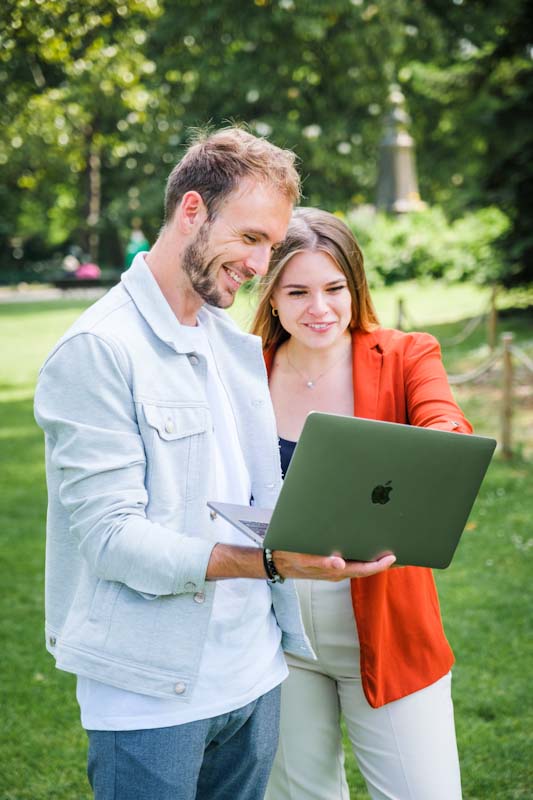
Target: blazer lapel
x,y
268,356
367,364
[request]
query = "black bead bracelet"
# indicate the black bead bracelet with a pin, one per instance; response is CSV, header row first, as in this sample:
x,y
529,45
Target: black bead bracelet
x,y
273,575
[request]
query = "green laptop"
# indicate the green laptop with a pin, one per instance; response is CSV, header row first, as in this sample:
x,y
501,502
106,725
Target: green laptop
x,y
365,488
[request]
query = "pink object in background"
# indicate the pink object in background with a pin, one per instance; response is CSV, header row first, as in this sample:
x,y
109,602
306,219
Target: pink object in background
x,y
88,272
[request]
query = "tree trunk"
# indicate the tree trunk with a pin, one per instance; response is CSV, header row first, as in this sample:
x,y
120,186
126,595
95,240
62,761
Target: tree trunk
x,y
95,200
94,193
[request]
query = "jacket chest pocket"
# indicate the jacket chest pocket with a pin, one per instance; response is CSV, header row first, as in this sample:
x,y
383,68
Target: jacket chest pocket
x,y
177,449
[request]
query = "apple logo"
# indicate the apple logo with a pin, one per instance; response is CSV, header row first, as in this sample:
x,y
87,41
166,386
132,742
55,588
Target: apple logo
x,y
380,493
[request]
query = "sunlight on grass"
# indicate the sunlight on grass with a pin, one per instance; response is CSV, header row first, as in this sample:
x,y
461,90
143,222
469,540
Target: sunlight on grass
x,y
484,594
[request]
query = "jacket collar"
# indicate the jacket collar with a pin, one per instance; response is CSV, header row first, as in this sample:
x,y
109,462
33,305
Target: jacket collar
x,y
144,290
367,355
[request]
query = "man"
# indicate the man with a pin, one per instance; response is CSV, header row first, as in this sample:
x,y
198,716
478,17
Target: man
x,y
153,403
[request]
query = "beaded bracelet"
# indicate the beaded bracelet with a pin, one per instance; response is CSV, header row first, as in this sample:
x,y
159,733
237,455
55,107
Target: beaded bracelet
x,y
273,575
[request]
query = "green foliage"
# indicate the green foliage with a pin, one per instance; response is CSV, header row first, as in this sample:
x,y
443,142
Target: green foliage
x,y
471,106
73,86
122,81
426,244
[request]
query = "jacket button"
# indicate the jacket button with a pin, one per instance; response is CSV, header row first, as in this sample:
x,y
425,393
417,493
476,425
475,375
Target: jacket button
x,y
213,514
179,688
169,426
199,597
52,641
190,586
194,360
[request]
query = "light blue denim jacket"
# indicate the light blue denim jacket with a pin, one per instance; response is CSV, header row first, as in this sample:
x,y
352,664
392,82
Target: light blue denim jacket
x,y
122,402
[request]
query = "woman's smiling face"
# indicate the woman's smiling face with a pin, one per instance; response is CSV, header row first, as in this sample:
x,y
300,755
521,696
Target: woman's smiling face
x,y
313,299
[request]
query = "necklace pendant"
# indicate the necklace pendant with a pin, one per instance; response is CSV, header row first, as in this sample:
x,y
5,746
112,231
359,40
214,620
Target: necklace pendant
x,y
310,384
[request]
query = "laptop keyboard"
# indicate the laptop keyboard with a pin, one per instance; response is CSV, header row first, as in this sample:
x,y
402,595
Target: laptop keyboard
x,y
257,527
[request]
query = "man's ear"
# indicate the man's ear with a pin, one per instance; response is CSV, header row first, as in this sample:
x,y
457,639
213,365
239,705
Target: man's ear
x,y
191,213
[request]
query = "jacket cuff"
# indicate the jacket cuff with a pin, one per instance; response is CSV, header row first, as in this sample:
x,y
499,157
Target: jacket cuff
x,y
190,576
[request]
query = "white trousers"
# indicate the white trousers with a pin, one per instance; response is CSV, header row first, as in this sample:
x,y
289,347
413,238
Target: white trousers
x,y
406,750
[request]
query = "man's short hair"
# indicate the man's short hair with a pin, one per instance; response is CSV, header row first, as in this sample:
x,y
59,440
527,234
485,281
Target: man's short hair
x,y
215,163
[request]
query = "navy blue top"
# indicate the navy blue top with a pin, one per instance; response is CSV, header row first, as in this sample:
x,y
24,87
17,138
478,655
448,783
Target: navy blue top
x,y
286,449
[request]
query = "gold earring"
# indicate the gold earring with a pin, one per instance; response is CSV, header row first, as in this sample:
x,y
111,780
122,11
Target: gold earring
x,y
275,312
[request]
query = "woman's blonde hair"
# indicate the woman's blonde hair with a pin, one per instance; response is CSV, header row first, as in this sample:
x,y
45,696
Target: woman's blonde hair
x,y
314,230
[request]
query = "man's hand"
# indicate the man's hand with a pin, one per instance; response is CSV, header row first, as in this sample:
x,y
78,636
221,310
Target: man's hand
x,y
230,561
327,568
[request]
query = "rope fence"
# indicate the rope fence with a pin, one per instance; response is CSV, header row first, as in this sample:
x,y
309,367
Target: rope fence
x,y
504,355
489,315
521,356
475,374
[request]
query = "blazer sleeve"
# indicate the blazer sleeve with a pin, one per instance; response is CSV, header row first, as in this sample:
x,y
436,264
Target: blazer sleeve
x,y
430,402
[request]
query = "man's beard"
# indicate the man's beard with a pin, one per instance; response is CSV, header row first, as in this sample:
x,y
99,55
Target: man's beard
x,y
200,270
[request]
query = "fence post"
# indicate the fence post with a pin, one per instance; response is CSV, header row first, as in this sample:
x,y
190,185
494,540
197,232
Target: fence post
x,y
400,314
507,395
492,319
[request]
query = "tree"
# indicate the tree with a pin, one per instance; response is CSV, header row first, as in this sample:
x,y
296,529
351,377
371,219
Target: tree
x,y
71,73
509,166
471,101
100,95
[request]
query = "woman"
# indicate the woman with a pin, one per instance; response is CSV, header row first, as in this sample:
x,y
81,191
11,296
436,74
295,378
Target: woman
x,y
382,657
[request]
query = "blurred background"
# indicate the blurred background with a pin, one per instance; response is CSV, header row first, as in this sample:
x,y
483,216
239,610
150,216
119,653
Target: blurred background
x,y
98,97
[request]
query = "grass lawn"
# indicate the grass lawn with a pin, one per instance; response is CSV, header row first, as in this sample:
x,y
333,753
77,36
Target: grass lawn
x,y
484,594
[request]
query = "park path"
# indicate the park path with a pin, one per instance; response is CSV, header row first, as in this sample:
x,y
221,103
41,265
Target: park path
x,y
23,294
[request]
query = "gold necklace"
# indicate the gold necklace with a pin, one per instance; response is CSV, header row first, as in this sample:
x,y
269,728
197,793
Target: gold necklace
x,y
312,382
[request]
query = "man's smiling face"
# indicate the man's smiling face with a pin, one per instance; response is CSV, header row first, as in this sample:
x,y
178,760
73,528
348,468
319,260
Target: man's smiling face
x,y
236,245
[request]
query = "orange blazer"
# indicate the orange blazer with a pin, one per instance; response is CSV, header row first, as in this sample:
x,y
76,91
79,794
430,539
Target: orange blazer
x,y
399,377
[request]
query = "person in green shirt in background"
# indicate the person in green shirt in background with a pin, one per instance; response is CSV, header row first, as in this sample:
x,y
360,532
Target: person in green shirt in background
x,y
137,243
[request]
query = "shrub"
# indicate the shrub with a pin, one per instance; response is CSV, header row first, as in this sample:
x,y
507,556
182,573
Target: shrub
x,y
426,244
